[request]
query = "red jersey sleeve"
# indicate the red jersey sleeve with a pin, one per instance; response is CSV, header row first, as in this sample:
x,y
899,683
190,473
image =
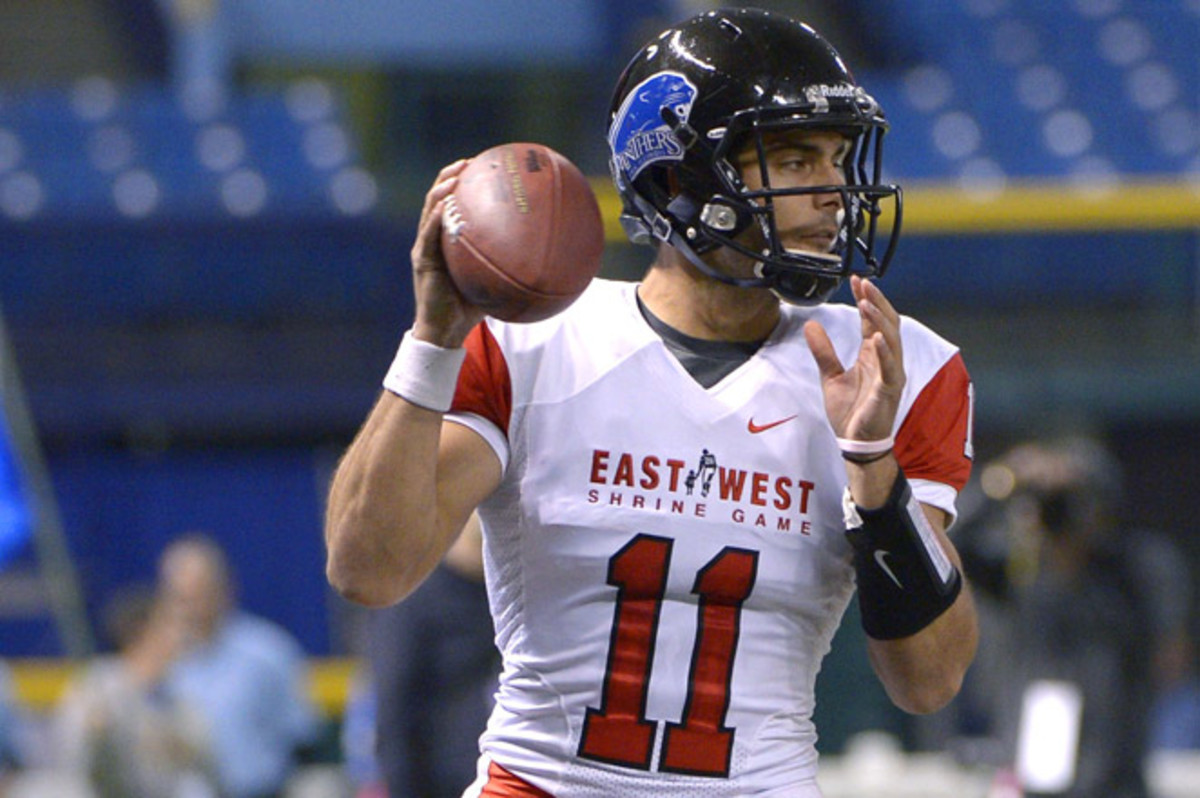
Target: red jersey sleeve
x,y
934,442
484,387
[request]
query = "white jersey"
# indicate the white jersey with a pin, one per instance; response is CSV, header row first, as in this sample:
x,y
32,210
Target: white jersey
x,y
667,563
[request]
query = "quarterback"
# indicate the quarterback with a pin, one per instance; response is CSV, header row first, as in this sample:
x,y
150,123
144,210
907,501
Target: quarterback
x,y
683,481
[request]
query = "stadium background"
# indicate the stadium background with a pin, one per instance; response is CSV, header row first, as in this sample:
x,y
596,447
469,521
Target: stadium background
x,y
202,290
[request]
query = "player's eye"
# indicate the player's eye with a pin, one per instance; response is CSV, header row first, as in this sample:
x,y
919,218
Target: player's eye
x,y
792,162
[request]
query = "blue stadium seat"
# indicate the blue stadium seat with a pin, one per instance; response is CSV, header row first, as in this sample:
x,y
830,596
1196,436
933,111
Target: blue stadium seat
x,y
100,150
1055,89
1004,88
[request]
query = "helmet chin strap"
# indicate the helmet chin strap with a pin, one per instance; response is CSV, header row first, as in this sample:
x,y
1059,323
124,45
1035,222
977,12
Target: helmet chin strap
x,y
797,288
681,243
780,282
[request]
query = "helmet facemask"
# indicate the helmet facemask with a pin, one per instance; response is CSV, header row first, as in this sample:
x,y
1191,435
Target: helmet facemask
x,y
803,277
696,99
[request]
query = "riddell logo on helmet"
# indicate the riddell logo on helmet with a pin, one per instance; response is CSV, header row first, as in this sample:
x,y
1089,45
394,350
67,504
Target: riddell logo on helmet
x,y
819,96
825,90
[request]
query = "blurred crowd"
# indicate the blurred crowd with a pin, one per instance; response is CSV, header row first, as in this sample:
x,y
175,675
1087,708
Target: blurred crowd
x,y
1087,662
192,697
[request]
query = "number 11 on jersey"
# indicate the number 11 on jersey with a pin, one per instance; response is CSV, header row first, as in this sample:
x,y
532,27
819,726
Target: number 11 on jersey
x,y
618,731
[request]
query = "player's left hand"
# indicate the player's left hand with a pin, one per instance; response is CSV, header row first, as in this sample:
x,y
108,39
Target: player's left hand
x,y
862,401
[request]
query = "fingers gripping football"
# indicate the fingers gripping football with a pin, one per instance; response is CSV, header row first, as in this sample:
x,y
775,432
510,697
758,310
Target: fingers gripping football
x,y
443,316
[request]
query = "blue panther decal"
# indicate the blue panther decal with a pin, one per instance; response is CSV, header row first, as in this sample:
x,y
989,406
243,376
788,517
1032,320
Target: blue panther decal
x,y
639,136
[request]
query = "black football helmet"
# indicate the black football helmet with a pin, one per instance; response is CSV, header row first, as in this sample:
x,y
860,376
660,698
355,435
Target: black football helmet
x,y
701,92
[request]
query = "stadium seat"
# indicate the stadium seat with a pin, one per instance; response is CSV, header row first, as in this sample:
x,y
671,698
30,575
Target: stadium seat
x,y
100,150
1085,88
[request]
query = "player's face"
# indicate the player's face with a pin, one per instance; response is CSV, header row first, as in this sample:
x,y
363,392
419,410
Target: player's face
x,y
801,159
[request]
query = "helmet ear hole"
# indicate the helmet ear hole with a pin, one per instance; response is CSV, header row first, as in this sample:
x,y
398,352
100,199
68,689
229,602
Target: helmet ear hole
x,y
672,181
684,207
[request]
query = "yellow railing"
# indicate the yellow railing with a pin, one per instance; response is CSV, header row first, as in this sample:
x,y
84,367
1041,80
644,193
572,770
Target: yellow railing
x,y
1026,206
39,683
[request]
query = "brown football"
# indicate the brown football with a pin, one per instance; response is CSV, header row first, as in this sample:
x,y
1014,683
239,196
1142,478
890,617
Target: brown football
x,y
522,233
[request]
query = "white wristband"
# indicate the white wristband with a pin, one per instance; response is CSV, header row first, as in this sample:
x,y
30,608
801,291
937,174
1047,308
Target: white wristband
x,y
866,447
424,373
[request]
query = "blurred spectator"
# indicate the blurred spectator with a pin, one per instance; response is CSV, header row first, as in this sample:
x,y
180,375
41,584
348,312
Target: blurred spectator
x,y
247,674
1075,605
115,728
435,666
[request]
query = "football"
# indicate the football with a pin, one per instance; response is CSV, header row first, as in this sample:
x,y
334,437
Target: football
x,y
522,234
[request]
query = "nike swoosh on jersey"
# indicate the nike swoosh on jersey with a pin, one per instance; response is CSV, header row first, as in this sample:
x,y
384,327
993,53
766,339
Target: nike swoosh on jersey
x,y
880,560
757,428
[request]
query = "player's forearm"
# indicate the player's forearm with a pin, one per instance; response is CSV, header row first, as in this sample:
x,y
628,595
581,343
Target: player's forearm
x,y
381,526
924,672
917,608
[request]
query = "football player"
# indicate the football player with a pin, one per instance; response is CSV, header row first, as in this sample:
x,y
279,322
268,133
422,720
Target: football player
x,y
683,481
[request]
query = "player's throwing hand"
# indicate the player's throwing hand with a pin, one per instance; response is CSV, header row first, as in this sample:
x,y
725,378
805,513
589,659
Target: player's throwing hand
x,y
443,316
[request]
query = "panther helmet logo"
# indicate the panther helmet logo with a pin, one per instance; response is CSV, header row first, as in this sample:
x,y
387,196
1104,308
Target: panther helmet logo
x,y
639,136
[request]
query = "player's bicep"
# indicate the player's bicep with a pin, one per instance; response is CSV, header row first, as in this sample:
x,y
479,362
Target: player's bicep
x,y
468,471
